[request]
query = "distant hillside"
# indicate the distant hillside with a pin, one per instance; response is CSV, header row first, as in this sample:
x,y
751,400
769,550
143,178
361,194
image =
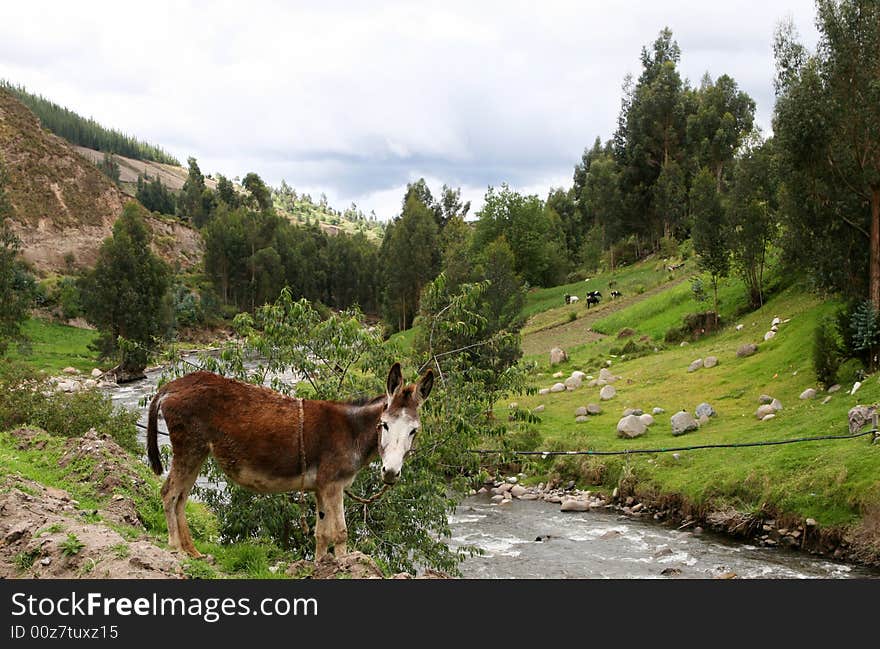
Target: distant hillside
x,y
301,208
63,206
86,132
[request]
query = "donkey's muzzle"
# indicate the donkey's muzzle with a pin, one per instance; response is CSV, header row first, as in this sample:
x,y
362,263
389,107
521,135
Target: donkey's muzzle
x,y
389,476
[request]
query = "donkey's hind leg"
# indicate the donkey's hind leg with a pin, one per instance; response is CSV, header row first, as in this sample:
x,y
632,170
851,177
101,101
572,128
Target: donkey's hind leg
x,y
184,470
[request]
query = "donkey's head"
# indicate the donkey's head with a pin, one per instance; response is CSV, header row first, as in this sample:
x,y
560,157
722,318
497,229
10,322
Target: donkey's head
x,y
399,422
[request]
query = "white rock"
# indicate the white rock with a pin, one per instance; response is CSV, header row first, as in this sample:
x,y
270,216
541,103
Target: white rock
x,y
70,370
558,375
769,335
647,419
658,411
538,409
855,387
809,393
96,373
775,322
572,383
577,374
608,392
574,505
558,387
607,376
90,384
695,365
711,361
776,404
739,327
768,417
834,388
630,426
544,391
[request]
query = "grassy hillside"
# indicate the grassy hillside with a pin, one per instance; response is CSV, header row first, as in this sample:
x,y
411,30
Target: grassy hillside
x,y
52,346
834,482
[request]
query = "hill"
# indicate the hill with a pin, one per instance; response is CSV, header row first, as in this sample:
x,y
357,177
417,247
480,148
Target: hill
x,y
63,206
831,483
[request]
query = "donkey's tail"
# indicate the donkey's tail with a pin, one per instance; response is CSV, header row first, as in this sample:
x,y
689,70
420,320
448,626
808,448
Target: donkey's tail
x,y
152,435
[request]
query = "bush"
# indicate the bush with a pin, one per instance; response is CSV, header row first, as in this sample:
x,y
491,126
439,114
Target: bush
x,y
826,353
25,400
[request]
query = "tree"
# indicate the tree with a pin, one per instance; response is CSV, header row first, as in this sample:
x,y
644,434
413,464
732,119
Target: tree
x,y
409,256
195,198
534,234
724,116
708,230
752,216
124,296
226,192
16,284
827,124
155,196
670,199
260,196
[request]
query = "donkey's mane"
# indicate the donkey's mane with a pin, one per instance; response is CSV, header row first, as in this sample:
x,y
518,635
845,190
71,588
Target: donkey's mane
x,y
366,401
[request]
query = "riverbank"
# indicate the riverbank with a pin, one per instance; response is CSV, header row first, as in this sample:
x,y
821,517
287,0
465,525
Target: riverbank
x,y
765,528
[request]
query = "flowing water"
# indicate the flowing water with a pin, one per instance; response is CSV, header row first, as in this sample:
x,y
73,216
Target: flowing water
x,y
533,539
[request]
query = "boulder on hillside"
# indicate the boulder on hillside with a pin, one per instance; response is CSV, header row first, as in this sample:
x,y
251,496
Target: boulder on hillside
x,y
809,393
593,409
711,361
557,355
572,383
746,350
770,335
580,412
764,410
705,410
606,375
694,366
630,426
607,392
646,419
683,422
558,387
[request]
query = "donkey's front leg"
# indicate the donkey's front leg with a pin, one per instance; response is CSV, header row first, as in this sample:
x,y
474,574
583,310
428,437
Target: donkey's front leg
x,y
335,532
322,526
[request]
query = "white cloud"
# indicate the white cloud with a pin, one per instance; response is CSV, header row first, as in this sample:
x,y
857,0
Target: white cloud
x,y
356,99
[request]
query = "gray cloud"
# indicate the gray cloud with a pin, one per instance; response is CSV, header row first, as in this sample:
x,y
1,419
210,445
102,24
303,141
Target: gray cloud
x,y
357,99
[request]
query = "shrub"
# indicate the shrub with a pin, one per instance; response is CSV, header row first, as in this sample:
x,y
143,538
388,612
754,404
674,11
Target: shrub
x,y
25,400
826,353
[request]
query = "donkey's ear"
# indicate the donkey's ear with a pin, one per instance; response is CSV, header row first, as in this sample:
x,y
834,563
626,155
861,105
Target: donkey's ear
x,y
425,384
395,379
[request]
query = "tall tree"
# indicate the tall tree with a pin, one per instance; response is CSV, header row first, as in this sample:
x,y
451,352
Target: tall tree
x,y
408,254
260,196
827,124
124,295
752,216
709,232
724,116
192,203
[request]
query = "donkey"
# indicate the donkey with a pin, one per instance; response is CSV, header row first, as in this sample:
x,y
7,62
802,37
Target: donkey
x,y
254,433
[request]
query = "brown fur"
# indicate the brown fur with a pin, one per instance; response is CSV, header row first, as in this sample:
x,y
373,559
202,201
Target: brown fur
x,y
253,433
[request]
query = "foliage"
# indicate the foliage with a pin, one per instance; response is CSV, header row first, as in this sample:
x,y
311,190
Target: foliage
x,y
826,353
827,127
195,202
109,167
533,232
752,216
17,286
71,545
410,259
86,132
864,326
25,400
155,196
124,295
709,234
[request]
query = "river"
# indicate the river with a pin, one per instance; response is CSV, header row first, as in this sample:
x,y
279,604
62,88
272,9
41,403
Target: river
x,y
596,545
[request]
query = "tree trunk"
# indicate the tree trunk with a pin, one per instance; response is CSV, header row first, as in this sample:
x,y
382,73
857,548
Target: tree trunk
x,y
715,291
874,269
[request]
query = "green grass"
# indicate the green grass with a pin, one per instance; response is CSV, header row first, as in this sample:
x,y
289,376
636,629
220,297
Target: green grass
x,y
834,482
51,346
629,280
659,313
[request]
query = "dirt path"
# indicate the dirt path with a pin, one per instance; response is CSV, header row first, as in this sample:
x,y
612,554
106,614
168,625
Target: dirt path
x,y
567,334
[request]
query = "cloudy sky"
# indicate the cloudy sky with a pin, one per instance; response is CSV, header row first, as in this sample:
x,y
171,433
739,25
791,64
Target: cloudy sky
x,y
355,99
